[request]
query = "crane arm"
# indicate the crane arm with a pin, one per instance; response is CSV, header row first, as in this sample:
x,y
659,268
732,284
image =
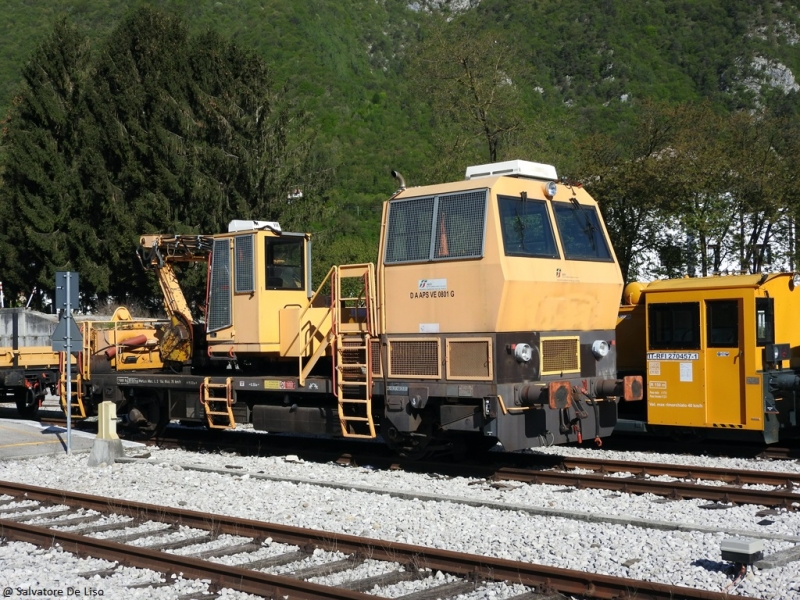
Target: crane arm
x,y
160,252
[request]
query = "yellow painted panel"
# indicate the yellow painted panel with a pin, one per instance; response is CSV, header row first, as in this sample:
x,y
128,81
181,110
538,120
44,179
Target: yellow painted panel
x,y
676,388
303,338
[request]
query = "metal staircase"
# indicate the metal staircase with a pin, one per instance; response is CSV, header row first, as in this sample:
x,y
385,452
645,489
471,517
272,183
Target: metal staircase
x,y
75,402
219,414
347,328
353,326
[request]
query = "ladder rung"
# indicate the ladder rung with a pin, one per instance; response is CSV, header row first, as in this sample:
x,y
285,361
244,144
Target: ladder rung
x,y
358,419
355,401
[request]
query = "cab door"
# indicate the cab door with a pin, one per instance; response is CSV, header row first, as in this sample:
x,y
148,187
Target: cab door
x,y
725,362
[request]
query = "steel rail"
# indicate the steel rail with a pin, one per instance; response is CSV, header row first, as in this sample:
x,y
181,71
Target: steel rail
x,y
734,476
634,485
471,566
243,580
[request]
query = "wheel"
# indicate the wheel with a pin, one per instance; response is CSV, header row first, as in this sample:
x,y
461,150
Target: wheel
x,y
147,417
27,403
413,446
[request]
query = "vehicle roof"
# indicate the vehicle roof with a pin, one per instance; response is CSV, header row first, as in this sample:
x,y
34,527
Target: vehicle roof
x,y
713,282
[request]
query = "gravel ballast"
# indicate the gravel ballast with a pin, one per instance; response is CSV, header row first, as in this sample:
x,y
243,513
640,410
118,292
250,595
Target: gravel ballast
x,y
589,530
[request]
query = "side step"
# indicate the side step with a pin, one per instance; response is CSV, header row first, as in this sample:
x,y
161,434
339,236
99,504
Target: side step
x,y
76,406
354,386
219,414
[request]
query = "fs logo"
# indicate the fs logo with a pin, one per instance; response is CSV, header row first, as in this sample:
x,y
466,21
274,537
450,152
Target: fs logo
x,y
558,273
431,285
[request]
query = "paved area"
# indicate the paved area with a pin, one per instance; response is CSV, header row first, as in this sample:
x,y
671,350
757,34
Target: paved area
x,y
23,439
29,438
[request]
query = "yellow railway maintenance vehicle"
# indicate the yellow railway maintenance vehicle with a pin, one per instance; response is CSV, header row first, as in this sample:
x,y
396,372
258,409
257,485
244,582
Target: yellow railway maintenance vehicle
x,y
30,369
720,355
490,317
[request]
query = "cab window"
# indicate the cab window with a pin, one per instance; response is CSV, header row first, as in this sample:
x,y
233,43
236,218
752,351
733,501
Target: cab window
x,y
526,228
582,236
674,325
284,260
765,321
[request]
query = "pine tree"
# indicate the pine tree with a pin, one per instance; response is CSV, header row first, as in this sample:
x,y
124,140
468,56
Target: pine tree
x,y
40,202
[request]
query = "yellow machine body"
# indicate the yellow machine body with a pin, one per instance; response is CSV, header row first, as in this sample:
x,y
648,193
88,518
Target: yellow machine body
x,y
271,275
707,347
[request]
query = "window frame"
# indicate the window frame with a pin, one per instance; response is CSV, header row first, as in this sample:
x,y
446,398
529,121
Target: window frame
x,y
769,315
547,222
711,317
694,344
238,264
586,209
433,230
284,240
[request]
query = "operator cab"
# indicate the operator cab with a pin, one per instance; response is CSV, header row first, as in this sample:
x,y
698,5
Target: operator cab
x,y
256,270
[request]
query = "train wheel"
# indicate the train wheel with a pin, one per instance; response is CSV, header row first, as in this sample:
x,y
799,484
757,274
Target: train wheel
x,y
27,403
413,446
148,417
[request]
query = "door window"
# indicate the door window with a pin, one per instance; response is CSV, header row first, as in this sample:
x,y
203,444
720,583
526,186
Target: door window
x,y
722,323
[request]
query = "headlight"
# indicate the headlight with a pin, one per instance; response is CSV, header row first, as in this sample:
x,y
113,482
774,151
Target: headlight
x,y
550,189
523,352
599,349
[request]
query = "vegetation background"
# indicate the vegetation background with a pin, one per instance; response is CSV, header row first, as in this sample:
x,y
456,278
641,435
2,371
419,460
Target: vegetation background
x,y
123,118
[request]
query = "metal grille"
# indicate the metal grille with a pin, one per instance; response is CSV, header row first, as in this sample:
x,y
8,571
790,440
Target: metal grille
x,y
375,358
560,355
244,264
219,301
408,236
414,358
469,359
459,225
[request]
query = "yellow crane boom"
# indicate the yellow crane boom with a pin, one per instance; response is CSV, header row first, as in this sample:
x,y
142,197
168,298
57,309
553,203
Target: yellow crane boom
x,y
160,252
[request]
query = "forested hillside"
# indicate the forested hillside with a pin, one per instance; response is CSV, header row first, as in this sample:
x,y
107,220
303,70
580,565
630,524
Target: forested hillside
x,y
126,117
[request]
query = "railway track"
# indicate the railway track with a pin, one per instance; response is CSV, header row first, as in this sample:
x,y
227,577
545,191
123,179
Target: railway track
x,y
535,469
39,515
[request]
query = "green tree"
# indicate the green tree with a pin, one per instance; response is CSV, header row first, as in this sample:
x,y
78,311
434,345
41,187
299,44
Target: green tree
x,y
172,133
470,78
41,222
629,175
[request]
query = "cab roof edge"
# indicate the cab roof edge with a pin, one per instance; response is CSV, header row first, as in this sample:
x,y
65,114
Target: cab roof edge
x,y
246,225
513,168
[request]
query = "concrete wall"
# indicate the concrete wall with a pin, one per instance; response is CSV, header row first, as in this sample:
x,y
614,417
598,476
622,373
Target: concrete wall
x,y
34,328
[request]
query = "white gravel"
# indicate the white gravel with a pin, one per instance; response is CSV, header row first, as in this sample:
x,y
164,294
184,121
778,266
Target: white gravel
x,y
641,537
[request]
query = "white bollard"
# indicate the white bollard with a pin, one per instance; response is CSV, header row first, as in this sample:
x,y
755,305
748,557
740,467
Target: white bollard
x,y
107,446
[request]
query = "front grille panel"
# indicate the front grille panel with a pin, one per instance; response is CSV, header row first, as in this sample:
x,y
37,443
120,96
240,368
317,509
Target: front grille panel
x,y
414,358
469,359
560,355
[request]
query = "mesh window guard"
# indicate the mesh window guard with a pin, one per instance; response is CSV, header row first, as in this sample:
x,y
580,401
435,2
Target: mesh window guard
x,y
244,263
219,301
459,225
409,233
436,228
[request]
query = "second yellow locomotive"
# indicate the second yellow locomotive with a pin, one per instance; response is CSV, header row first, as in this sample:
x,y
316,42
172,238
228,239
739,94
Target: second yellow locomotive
x,y
720,355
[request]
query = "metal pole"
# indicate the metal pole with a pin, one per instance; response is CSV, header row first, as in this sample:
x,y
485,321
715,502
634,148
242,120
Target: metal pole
x,y
68,399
